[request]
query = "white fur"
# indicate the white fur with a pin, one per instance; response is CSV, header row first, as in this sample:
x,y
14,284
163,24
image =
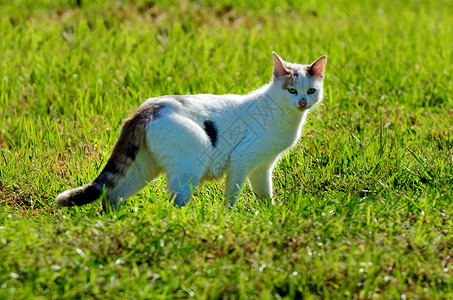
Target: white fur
x,y
253,130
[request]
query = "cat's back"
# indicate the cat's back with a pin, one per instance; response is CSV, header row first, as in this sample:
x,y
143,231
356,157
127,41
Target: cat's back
x,y
199,106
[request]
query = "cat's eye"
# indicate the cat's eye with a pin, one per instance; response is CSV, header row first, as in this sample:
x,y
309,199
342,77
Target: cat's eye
x,y
292,91
311,91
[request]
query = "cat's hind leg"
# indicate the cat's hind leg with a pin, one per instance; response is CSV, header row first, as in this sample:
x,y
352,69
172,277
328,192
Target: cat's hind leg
x,y
182,182
179,144
141,172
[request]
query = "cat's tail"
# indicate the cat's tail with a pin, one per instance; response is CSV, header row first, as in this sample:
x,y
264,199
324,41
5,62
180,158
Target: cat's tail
x,y
123,156
80,196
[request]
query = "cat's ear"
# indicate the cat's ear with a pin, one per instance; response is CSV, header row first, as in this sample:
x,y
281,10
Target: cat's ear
x,y
317,68
280,67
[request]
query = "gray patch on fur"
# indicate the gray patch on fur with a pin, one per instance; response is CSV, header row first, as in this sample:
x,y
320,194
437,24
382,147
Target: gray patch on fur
x,y
147,112
180,99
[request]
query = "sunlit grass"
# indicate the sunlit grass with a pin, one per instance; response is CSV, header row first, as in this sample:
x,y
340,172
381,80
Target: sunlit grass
x,y
363,204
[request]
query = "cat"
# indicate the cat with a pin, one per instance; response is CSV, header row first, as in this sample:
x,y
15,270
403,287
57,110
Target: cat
x,y
194,138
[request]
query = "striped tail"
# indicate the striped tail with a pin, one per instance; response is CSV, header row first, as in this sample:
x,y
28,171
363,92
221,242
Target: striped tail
x,y
123,156
80,196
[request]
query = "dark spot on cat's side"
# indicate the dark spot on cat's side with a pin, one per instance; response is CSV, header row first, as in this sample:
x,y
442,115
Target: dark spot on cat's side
x,y
211,131
132,151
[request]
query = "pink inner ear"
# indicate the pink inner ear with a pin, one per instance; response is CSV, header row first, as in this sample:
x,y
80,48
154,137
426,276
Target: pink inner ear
x,y
318,67
280,68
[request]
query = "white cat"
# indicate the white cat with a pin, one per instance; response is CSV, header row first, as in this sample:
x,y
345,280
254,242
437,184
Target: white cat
x,y
194,138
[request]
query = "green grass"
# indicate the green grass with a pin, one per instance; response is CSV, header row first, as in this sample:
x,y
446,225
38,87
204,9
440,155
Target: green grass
x,y
363,204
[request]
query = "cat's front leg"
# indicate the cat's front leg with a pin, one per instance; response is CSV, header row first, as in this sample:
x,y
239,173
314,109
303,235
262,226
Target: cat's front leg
x,y
261,180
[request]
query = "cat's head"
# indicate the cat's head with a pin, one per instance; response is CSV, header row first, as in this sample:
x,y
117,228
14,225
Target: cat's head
x,y
300,86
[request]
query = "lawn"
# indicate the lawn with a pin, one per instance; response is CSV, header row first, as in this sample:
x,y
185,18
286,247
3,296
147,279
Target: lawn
x,y
363,203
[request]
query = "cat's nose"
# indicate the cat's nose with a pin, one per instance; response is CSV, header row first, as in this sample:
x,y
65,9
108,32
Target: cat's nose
x,y
303,102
